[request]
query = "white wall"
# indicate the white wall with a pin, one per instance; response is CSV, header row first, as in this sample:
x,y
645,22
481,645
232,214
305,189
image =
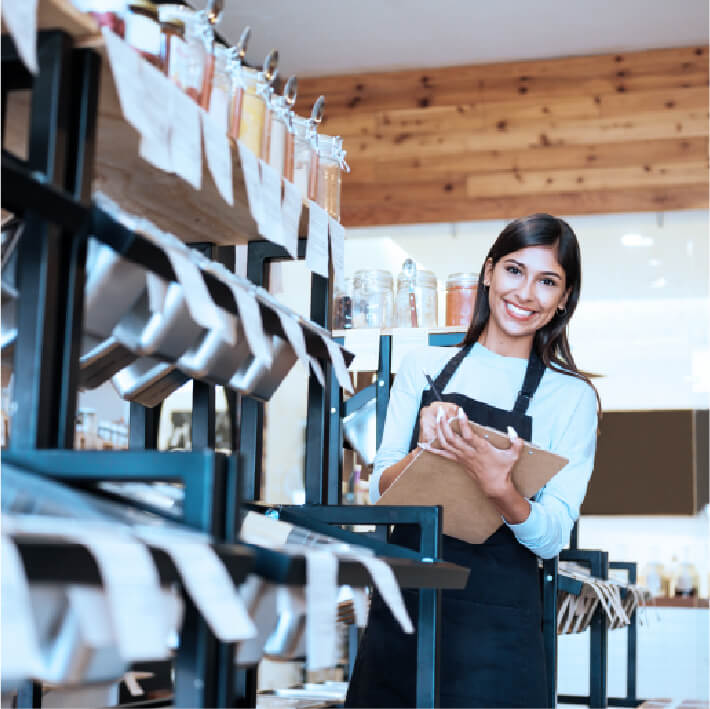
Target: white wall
x,y
642,322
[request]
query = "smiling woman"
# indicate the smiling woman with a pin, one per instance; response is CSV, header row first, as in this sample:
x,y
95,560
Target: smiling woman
x,y
514,370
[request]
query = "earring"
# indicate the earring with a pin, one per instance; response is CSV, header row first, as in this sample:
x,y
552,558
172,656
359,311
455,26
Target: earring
x,y
562,310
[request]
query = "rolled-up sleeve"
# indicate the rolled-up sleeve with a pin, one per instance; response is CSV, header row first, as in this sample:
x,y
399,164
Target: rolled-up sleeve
x,y
555,508
402,412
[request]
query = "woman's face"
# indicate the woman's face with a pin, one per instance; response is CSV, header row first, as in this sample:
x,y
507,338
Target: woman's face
x,y
526,288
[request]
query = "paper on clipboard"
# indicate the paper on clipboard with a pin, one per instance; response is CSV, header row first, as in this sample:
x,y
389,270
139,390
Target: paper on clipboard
x,y
468,514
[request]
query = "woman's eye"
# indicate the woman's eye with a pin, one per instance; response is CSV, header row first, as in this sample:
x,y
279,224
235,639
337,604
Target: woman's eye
x,y
513,269
549,282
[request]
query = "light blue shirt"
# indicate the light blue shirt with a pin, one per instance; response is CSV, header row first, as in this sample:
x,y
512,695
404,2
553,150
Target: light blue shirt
x,y
564,415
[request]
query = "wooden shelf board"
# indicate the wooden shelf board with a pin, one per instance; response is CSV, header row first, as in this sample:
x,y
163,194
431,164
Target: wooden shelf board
x,y
165,199
389,331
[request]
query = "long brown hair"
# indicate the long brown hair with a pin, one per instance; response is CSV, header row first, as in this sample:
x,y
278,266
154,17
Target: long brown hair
x,y
550,342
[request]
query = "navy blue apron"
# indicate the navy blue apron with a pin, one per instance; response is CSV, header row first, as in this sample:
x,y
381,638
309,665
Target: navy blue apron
x,y
492,652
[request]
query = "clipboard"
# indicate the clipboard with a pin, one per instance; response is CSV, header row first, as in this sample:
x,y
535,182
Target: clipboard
x,y
468,514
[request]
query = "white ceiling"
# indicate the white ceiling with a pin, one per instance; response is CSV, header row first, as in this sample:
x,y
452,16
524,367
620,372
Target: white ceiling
x,y
318,37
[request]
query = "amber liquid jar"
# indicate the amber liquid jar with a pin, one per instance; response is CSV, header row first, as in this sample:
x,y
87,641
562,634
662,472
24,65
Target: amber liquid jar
x,y
461,290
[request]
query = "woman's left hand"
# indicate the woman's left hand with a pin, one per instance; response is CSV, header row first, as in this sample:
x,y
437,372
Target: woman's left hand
x,y
489,466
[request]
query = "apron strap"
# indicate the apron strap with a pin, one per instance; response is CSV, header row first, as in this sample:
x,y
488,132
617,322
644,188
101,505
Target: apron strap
x,y
451,366
533,375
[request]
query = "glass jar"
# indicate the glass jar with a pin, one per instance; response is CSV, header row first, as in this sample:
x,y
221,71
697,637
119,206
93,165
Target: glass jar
x,y
221,91
423,287
251,108
461,290
273,148
302,151
343,306
373,298
142,31
189,60
326,165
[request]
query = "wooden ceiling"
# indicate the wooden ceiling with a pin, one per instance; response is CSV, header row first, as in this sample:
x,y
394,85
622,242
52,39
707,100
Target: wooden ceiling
x,y
595,134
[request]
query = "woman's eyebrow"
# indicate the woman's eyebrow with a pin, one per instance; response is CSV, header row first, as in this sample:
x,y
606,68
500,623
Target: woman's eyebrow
x,y
521,265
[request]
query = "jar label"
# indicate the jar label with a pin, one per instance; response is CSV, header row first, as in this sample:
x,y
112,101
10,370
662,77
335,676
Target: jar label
x,y
143,34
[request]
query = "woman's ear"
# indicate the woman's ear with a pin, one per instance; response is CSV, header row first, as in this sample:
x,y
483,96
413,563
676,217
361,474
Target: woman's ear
x,y
563,300
488,272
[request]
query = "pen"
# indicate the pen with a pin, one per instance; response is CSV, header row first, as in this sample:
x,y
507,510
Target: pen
x,y
433,388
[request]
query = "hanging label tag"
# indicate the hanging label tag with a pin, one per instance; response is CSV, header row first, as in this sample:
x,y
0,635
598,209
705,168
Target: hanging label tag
x,y
291,208
337,249
219,157
125,66
317,245
252,180
20,16
405,339
250,315
321,608
19,632
156,153
270,203
156,95
317,370
336,357
294,334
186,140
365,345
207,581
219,109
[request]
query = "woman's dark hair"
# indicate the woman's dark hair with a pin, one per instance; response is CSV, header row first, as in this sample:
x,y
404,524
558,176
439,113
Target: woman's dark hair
x,y
550,342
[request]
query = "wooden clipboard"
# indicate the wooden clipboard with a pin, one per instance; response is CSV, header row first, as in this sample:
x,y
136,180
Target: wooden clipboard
x,y
468,514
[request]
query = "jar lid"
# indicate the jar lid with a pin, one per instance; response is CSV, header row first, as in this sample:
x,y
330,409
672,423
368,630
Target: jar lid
x,y
422,278
173,25
173,12
461,279
373,276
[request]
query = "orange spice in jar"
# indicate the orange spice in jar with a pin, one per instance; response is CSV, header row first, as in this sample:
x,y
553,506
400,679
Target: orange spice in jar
x,y
461,290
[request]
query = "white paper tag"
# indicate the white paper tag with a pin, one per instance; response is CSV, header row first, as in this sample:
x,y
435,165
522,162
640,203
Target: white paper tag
x,y
219,157
219,109
291,208
156,94
360,606
270,203
125,67
336,357
186,140
365,345
156,153
317,245
19,633
142,33
250,315
321,608
383,577
207,582
405,339
20,16
317,370
252,180
294,334
337,249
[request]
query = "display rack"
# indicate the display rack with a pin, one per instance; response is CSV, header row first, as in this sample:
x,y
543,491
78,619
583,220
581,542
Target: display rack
x,y
69,121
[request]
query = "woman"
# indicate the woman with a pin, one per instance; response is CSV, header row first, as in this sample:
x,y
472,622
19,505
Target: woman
x,y
514,368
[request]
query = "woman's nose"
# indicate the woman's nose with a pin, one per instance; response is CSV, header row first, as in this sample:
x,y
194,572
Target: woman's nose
x,y
525,292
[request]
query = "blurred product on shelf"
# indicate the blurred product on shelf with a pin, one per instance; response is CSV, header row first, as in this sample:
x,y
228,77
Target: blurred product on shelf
x,y
416,302
373,298
253,109
343,302
686,580
655,577
107,13
300,175
461,289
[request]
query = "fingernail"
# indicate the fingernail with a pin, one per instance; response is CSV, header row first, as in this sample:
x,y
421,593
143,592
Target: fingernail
x,y
462,413
439,414
512,434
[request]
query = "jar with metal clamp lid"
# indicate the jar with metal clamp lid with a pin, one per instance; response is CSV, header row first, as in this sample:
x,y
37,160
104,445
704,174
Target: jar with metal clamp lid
x,y
328,163
302,152
222,87
373,298
416,302
190,61
274,139
252,109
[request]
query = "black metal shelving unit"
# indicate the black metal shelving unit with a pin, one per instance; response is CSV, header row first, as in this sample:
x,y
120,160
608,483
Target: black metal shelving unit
x,y
51,190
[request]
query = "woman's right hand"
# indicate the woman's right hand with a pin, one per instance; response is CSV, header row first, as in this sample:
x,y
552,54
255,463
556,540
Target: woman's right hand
x,y
428,419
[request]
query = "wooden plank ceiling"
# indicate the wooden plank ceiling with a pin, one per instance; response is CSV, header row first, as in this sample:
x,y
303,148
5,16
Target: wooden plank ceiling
x,y
581,135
